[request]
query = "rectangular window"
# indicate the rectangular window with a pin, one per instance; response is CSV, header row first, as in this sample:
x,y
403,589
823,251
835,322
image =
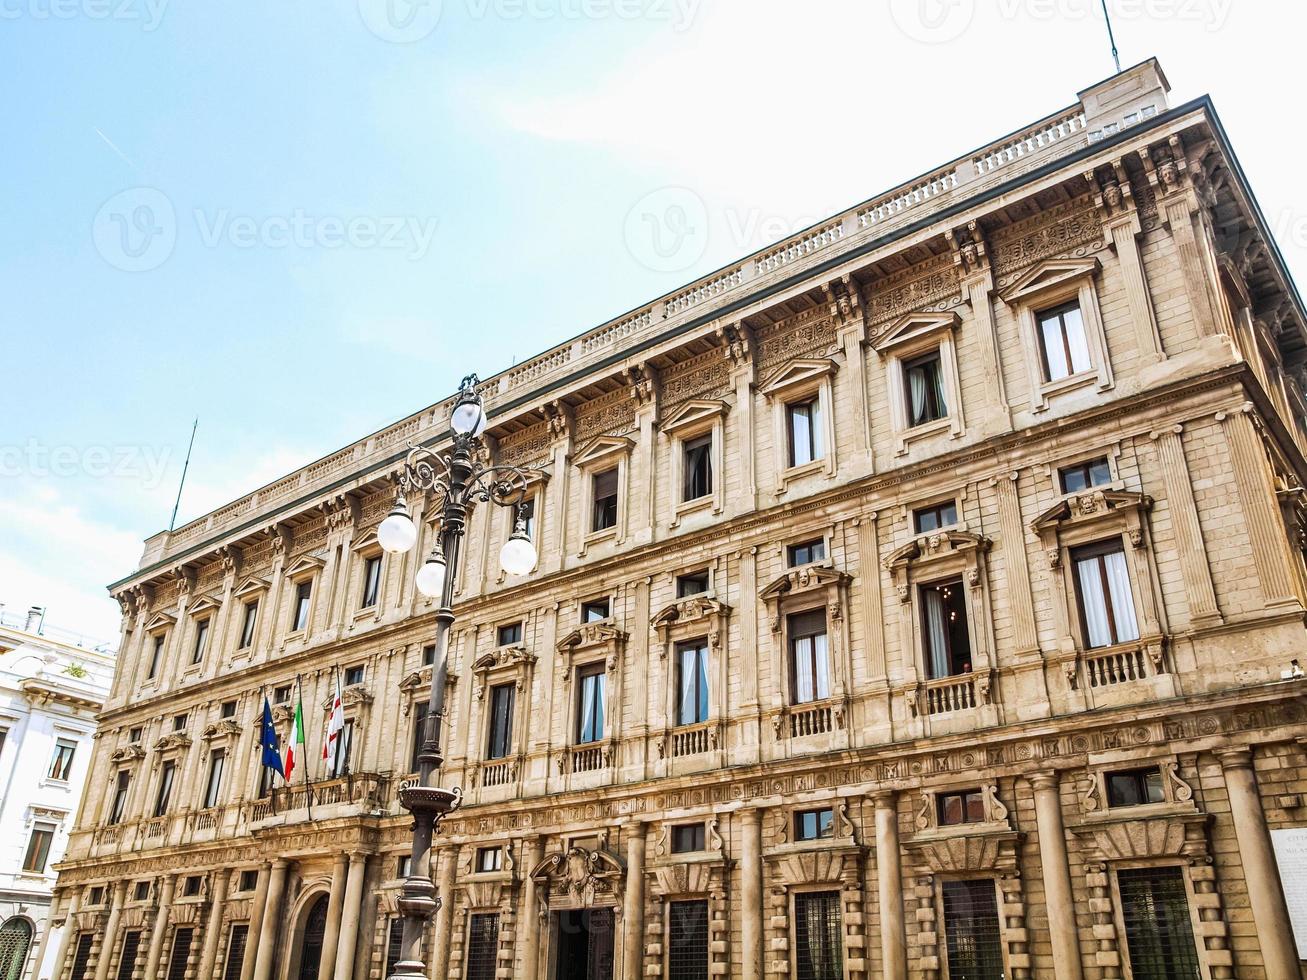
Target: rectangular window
x,y
807,553
490,859
238,938
371,581
972,929
38,848
354,675
201,640
687,838
142,891
946,639
814,824
693,583
192,886
1135,787
591,683
501,721
809,663
181,953
127,956
248,620
281,694
135,735
178,722
803,419
344,747
692,683
394,944
217,762
82,957
118,808
403,864
1107,605
165,788
156,656
300,620
419,731
934,518
960,808
1159,933
1082,476
61,765
227,710
604,487
267,778
687,946
1062,343
595,610
698,468
428,655
96,896
924,383
249,880
818,945
482,946
527,511
508,635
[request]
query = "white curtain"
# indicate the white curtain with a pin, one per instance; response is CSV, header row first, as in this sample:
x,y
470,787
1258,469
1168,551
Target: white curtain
x,y
823,667
1094,602
688,706
702,660
800,435
803,679
1123,603
1075,339
936,634
818,451
917,391
588,686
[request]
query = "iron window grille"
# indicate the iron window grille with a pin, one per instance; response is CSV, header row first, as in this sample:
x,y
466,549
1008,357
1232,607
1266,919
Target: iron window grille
x,y
127,958
181,953
82,956
482,946
975,950
394,943
1158,928
239,937
818,945
687,945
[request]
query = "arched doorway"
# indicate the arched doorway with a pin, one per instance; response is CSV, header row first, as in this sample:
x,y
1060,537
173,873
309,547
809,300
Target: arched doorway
x,y
15,942
315,927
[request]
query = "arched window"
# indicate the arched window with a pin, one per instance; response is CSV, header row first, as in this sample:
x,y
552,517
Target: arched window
x,y
15,941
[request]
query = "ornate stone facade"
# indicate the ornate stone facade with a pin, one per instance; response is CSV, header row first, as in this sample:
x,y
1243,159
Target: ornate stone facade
x,y
928,649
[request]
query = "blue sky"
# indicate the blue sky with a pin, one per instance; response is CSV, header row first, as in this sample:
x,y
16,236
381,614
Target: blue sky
x,y
301,221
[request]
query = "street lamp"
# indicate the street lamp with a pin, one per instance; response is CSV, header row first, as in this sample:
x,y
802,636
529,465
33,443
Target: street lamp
x,y
457,479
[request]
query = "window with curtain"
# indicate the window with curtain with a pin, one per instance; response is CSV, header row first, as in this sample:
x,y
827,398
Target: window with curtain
x,y
590,709
809,656
303,592
945,635
1106,600
166,777
248,621
1159,934
501,721
687,946
805,436
528,511
924,388
371,581
38,848
156,655
818,945
61,763
971,925
344,749
698,468
489,859
217,762
508,634
692,583
692,683
118,808
201,641
604,489
1062,343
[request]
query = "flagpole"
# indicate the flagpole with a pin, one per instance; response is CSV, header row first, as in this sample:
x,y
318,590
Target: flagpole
x,y
299,707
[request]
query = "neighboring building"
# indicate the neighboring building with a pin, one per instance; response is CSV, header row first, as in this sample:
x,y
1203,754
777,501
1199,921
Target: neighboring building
x,y
919,597
50,693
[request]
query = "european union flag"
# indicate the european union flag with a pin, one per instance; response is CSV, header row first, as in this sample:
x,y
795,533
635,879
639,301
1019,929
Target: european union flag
x,y
268,739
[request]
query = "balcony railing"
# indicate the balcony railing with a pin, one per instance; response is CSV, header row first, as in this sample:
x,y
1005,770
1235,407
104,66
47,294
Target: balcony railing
x,y
1115,666
950,694
694,740
589,758
811,719
500,772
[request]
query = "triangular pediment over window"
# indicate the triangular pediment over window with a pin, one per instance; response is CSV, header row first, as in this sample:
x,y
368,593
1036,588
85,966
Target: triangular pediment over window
x,y
913,326
692,413
1090,505
800,371
251,586
592,635
936,545
1050,275
305,565
160,621
802,580
205,603
601,449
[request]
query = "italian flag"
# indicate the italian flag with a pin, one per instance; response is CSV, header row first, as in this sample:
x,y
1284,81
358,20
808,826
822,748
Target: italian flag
x,y
296,736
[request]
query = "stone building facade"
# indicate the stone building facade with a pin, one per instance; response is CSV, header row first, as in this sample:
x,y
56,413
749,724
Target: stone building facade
x,y
922,596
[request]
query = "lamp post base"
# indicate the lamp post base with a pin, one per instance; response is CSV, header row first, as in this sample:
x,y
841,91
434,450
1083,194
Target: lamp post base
x,y
418,900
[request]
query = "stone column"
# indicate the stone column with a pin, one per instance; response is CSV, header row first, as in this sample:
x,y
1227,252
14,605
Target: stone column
x,y
889,889
256,924
267,943
751,894
110,936
1265,891
70,930
331,939
1067,964
160,928
439,959
528,914
213,928
633,905
349,917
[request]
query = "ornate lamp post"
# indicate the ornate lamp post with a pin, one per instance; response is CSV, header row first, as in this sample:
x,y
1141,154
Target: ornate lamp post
x,y
458,480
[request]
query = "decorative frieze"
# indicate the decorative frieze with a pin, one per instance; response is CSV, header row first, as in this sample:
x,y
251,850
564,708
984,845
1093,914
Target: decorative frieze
x,y
1070,230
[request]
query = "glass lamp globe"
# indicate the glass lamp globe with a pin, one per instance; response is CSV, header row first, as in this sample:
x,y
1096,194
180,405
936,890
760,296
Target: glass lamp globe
x,y
397,532
468,417
431,577
518,555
